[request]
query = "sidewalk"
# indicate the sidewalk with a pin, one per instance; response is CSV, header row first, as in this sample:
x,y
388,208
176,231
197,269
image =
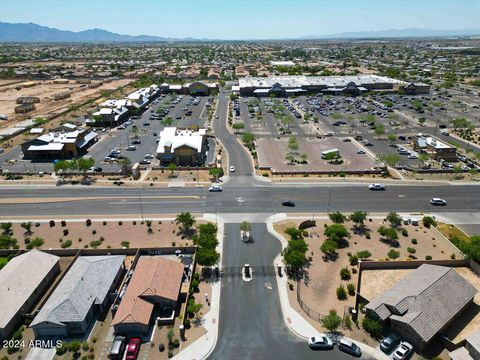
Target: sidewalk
x,y
294,321
203,347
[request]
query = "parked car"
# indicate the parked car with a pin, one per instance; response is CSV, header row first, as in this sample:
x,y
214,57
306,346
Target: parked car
x,y
215,188
118,348
149,156
145,162
288,203
136,141
131,148
389,343
320,342
438,202
133,348
376,187
403,351
349,347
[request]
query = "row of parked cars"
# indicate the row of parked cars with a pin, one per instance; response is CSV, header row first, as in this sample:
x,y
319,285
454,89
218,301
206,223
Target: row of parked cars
x,y
391,345
121,349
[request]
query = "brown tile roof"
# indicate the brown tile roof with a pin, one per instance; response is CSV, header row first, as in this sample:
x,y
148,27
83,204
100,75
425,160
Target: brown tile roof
x,y
154,276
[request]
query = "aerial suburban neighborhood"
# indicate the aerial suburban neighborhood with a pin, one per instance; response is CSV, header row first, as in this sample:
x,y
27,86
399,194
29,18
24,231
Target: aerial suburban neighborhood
x,y
290,188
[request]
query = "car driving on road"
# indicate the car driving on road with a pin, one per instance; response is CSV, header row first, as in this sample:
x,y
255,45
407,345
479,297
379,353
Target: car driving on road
x,y
376,187
438,202
232,168
288,203
215,188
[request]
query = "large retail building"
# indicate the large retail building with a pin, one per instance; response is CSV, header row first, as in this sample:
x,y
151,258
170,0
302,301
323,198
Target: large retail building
x,y
298,85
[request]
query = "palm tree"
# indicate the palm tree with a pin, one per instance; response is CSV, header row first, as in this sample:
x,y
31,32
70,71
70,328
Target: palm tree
x,y
186,220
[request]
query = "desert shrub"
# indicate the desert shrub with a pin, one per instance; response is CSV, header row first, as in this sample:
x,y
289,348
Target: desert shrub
x,y
373,327
405,232
341,293
66,244
351,289
393,254
411,250
345,274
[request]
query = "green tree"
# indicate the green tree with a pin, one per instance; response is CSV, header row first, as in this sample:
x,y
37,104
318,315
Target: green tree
x,y
294,233
337,217
389,159
389,233
238,126
379,130
332,321
391,138
245,226
248,139
207,257
194,308
394,219
171,167
429,221
336,232
186,220
329,247
27,226
215,172
125,166
6,227
83,165
358,218
288,121
293,144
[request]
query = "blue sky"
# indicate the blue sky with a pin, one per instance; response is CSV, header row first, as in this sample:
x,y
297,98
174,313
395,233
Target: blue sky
x,y
243,19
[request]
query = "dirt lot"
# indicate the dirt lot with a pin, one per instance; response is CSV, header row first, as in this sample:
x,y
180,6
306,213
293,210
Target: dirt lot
x,y
319,291
164,233
46,90
272,153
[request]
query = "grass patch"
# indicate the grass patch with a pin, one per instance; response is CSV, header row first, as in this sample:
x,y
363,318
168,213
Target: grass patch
x,y
451,232
3,261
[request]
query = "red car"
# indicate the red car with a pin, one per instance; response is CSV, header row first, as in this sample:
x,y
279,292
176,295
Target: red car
x,y
133,348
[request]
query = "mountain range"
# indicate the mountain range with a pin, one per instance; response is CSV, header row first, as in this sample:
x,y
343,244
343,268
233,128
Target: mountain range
x,y
30,32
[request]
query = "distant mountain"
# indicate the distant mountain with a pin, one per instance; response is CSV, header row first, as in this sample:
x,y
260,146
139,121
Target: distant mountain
x,y
36,33
398,33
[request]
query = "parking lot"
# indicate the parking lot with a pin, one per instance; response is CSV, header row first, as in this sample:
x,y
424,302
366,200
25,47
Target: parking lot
x,y
272,154
136,138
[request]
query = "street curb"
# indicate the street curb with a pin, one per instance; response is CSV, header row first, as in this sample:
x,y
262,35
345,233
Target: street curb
x,y
285,304
206,344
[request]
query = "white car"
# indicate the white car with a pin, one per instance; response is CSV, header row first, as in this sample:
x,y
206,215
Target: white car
x,y
438,201
361,152
232,168
376,187
149,156
403,351
320,342
215,188
412,156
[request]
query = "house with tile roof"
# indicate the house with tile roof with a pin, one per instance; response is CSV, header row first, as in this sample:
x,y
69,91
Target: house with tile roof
x,y
155,285
87,289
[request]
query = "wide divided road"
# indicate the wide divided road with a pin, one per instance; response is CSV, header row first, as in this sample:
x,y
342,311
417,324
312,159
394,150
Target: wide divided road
x,y
255,199
251,322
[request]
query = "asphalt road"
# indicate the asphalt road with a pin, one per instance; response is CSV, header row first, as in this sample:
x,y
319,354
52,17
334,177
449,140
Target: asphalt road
x,y
251,322
234,199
